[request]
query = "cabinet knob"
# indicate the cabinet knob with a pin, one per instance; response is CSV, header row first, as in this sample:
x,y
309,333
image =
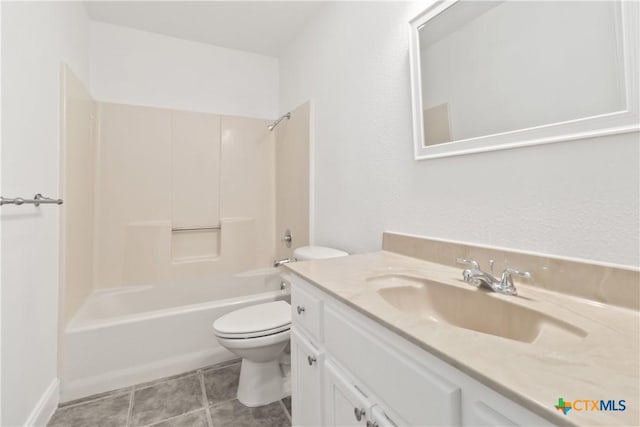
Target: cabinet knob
x,y
359,413
311,360
300,309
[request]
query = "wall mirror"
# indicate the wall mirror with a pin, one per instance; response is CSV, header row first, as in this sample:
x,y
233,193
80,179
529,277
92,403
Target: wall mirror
x,y
502,74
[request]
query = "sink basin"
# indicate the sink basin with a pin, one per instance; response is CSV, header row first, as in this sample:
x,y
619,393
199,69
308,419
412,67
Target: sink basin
x,y
471,308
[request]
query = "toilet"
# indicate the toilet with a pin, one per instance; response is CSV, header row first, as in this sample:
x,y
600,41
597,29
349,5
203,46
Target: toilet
x,y
259,334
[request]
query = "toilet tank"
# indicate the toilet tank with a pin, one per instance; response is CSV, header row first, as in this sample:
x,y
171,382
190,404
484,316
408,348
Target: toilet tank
x,y
317,252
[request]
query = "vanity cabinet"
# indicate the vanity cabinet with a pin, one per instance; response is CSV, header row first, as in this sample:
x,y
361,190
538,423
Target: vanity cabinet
x,y
348,370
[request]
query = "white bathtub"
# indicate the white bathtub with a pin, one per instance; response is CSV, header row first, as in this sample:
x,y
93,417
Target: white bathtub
x,y
130,335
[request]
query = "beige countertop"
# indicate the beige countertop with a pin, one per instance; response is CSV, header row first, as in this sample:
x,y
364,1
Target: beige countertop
x,y
602,365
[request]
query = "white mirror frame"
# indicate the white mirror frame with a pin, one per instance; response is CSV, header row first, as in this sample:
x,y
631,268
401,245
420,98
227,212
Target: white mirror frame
x,y
618,122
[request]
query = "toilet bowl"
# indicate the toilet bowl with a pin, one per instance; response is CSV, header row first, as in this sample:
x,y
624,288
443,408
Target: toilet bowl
x,y
259,334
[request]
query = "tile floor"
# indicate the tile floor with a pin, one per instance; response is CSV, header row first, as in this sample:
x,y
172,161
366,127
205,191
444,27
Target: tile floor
x,y
202,398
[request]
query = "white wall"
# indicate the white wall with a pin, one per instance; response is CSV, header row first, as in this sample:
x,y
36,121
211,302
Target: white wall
x,y
136,67
0,221
36,37
577,199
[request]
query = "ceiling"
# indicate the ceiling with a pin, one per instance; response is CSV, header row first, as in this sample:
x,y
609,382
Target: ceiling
x,y
263,27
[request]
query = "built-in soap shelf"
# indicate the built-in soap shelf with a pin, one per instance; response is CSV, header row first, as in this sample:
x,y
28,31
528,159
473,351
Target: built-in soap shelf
x,y
192,244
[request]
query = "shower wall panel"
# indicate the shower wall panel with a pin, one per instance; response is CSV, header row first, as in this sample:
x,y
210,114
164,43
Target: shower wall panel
x,y
247,180
134,182
159,170
195,170
77,190
292,180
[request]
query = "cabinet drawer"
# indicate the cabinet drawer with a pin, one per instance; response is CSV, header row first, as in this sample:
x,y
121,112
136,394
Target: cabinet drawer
x,y
419,395
306,311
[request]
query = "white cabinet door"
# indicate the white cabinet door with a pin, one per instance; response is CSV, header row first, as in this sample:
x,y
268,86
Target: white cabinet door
x,y
479,414
306,381
345,404
379,418
484,407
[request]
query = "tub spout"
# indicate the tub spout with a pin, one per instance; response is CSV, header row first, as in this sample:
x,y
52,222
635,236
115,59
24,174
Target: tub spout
x,y
279,262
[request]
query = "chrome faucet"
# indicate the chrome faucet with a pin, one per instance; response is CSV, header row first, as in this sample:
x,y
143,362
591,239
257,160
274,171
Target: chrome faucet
x,y
279,262
477,277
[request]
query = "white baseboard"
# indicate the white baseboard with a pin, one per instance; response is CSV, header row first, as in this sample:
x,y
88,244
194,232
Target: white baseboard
x,y
113,380
46,406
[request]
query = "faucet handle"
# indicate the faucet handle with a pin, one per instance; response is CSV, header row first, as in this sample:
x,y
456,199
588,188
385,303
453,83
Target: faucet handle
x,y
513,272
492,262
470,262
507,282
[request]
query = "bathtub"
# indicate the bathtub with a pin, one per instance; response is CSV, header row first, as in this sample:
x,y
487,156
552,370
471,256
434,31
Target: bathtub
x,y
120,337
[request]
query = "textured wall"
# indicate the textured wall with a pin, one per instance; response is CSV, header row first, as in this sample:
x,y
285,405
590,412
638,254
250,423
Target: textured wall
x,y
578,199
136,67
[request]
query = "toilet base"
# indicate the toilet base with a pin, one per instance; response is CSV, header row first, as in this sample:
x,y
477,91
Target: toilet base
x,y
261,383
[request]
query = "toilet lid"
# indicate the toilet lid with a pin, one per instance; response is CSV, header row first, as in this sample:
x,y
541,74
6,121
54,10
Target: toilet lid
x,y
271,316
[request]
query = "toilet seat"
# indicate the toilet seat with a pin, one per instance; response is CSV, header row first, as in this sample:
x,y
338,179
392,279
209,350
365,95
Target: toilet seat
x,y
254,321
256,334
252,343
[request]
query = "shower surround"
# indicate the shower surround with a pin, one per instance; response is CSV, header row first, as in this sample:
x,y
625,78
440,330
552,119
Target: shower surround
x,y
166,180
157,200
